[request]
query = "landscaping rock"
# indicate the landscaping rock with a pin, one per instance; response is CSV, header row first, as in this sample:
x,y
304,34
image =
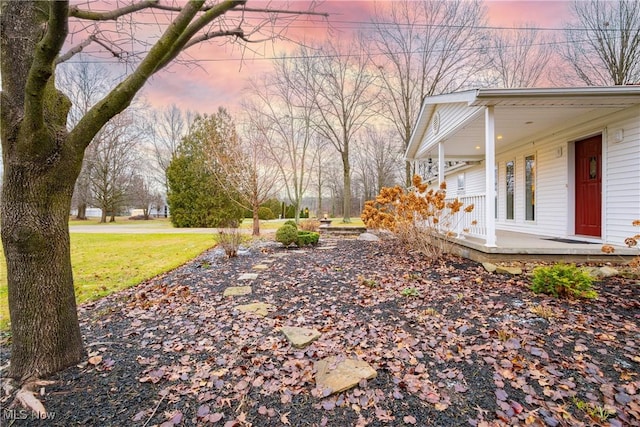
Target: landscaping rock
x,y
489,267
248,276
236,291
368,237
300,337
514,271
259,308
608,271
600,272
342,375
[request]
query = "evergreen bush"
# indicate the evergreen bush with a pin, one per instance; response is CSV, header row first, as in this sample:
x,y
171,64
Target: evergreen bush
x,y
291,223
563,280
307,238
287,235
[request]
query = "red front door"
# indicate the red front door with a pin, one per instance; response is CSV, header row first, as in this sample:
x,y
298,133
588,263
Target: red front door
x,y
589,186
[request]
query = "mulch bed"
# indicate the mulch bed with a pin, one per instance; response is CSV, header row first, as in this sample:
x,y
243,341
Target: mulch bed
x,y
452,344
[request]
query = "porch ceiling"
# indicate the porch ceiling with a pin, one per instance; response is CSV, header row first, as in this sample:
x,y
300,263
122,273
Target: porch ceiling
x,y
515,125
521,116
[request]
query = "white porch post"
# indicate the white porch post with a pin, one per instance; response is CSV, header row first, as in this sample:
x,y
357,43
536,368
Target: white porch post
x,y
489,175
440,162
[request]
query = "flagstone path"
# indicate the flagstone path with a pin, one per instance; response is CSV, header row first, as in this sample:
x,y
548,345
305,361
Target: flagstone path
x,y
334,374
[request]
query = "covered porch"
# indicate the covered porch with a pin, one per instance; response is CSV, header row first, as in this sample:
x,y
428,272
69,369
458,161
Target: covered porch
x,y
513,155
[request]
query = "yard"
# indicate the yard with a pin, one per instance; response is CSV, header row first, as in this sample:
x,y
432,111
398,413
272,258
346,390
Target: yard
x,y
107,263
451,345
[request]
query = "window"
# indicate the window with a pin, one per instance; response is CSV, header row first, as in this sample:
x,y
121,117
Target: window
x,y
510,181
460,184
530,187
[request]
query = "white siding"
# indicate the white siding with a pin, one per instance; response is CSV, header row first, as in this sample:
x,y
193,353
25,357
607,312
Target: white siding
x,y
554,194
621,191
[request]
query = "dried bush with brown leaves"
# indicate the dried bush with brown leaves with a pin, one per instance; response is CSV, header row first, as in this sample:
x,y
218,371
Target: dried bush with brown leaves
x,y
309,225
420,217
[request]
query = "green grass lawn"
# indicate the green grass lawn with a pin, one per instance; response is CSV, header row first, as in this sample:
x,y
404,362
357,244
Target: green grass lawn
x,y
106,263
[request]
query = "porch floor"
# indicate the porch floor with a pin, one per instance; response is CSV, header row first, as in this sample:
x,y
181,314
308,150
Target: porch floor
x,y
513,246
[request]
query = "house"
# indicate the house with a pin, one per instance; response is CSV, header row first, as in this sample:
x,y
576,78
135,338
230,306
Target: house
x,y
553,164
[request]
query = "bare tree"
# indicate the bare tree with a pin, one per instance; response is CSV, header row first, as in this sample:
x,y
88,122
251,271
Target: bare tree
x,y
244,164
43,158
427,48
141,195
345,100
114,164
84,84
282,114
519,57
167,128
602,44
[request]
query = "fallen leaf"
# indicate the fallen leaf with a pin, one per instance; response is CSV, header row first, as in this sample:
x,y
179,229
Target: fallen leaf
x,y
409,419
284,418
95,360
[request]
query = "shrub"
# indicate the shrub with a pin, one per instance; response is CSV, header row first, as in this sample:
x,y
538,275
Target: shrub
x,y
563,280
230,240
264,213
421,218
291,223
410,292
307,238
287,234
310,225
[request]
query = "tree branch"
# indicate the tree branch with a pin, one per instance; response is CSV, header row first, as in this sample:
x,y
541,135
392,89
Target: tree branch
x,y
75,50
42,67
120,97
238,32
76,12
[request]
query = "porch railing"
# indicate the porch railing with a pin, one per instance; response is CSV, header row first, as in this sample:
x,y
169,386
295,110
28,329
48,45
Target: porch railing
x,y
470,223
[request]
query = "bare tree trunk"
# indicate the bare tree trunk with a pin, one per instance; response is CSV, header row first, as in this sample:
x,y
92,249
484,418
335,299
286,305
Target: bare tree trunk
x,y
346,202
35,209
82,211
256,224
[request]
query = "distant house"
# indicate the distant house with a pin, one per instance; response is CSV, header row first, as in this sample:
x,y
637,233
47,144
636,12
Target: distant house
x,y
561,162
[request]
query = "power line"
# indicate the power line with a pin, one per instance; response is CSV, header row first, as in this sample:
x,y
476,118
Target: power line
x,y
479,49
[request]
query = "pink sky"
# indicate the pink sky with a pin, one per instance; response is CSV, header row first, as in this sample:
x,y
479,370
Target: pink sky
x,y
220,82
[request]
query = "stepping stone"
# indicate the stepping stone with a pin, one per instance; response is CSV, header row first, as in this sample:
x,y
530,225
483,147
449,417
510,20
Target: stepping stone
x,y
300,337
608,271
489,267
341,376
248,276
260,267
325,248
268,261
514,271
237,290
259,308
368,237
280,255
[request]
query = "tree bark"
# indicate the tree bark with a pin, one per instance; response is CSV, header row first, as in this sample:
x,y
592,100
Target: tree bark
x,y
35,210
